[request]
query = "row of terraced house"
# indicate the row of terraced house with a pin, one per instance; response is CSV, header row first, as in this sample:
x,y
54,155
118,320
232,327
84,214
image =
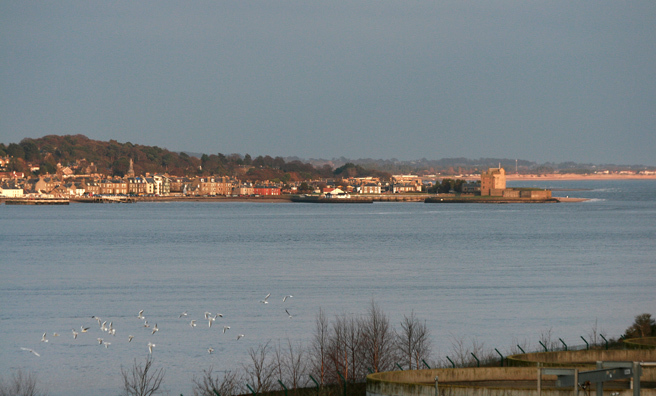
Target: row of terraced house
x,y
164,185
152,185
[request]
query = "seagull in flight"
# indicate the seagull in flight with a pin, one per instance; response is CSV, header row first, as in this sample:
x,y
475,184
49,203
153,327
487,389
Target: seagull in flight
x,y
107,344
43,338
192,323
155,329
150,347
55,334
74,334
286,297
210,350
84,329
182,314
207,315
130,337
140,316
265,299
240,336
225,328
288,314
31,350
100,341
146,324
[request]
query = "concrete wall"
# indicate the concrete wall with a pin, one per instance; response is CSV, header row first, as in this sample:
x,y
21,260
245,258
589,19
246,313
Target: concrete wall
x,y
523,368
587,358
422,383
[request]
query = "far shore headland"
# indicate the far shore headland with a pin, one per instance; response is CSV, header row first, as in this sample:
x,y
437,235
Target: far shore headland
x,y
574,176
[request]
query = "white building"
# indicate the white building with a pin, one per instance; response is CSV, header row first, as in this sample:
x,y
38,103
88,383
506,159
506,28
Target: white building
x,y
11,192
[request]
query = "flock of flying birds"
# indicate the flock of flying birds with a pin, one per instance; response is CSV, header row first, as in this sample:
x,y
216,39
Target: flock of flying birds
x,y
110,330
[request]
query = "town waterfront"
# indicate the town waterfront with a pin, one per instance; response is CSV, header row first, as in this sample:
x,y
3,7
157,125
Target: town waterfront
x,y
497,275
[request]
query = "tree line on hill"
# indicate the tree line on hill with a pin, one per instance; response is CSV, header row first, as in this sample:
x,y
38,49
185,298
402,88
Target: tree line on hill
x,y
112,158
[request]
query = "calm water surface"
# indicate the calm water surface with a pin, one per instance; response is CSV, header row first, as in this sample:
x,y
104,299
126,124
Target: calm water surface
x,y
497,275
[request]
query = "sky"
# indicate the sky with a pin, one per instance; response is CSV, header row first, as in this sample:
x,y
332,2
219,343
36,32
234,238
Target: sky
x,y
544,81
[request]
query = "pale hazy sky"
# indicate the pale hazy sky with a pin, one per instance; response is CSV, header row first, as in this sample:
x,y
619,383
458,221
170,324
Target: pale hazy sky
x,y
536,80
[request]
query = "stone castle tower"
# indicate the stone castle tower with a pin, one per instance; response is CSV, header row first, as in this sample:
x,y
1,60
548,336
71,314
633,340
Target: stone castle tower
x,y
493,179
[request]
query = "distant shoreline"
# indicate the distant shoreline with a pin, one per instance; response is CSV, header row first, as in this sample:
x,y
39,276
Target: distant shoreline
x,y
574,176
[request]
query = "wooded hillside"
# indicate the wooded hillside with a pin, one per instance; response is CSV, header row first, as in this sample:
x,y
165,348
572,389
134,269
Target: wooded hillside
x,y
85,156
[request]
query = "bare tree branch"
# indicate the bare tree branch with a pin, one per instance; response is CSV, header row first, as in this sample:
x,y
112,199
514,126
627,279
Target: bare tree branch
x,y
227,385
21,384
261,373
378,340
319,347
142,380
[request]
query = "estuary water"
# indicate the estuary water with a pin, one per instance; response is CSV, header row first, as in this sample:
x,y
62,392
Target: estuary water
x,y
494,275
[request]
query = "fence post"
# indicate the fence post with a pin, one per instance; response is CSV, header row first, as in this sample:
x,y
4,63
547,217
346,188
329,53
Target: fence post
x,y
399,366
343,381
520,348
561,340
315,381
478,362
284,387
437,393
215,392
499,355
426,364
602,336
587,346
544,346
251,389
452,364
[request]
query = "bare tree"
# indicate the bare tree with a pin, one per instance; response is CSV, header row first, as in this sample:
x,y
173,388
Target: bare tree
x,y
295,364
278,365
378,339
547,340
478,349
464,355
461,353
319,347
594,333
354,347
209,384
413,341
21,384
518,346
261,373
142,380
337,353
